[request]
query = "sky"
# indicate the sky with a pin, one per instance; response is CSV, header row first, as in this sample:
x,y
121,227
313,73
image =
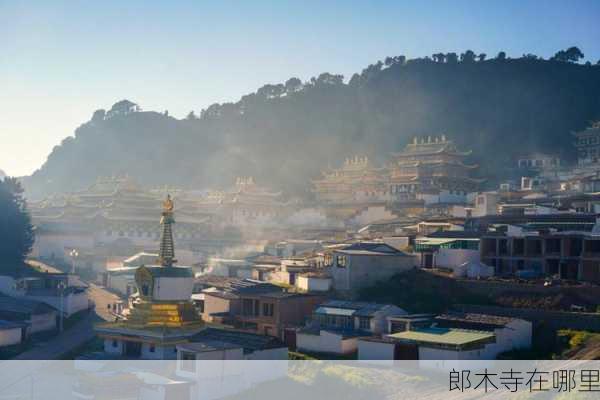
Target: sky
x,y
61,60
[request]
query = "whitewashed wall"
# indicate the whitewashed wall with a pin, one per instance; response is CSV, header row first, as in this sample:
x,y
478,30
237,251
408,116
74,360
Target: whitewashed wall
x,y
368,350
326,342
10,337
313,284
452,258
166,288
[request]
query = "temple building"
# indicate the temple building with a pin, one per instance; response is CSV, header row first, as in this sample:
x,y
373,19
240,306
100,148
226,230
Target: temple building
x,y
111,217
162,315
356,181
430,170
246,204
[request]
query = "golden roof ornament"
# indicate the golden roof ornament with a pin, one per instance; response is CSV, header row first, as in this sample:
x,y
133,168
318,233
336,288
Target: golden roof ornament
x,y
168,204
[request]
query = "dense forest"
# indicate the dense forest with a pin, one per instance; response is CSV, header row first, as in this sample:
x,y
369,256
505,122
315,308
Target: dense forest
x,y
284,134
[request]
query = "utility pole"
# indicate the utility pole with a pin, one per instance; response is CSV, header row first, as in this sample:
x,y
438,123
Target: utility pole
x,y
74,254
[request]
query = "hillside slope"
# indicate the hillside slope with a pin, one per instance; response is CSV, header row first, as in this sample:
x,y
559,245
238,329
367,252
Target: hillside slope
x,y
285,134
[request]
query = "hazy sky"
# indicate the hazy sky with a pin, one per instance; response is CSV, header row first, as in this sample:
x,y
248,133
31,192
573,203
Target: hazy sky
x,y
62,60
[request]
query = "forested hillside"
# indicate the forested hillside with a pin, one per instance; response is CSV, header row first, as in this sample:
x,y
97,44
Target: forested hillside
x,y
284,134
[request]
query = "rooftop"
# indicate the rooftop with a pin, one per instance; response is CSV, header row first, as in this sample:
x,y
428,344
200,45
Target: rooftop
x,y
371,248
23,306
236,286
349,308
445,336
248,341
206,346
476,319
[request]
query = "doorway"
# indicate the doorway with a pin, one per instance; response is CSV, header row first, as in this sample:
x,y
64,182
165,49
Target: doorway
x,y
133,349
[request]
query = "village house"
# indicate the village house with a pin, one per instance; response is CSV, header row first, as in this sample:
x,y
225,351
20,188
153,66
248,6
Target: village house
x,y
452,336
447,249
336,326
314,282
538,162
365,263
227,344
258,307
36,315
61,291
510,333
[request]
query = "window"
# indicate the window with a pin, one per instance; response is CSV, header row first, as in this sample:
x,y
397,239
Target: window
x,y
341,261
268,309
115,343
364,323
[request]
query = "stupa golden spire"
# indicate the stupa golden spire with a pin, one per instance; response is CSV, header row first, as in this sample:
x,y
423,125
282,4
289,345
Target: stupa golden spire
x,y
166,253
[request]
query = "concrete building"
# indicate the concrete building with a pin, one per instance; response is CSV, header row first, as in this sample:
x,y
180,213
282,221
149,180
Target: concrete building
x,y
365,263
63,292
538,162
225,344
208,365
336,326
510,333
258,307
274,313
569,255
314,282
453,336
37,316
436,343
486,203
447,249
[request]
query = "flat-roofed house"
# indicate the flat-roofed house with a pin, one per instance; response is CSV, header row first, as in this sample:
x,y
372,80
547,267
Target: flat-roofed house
x,y
363,264
435,343
337,325
37,316
226,344
221,376
452,336
258,307
511,333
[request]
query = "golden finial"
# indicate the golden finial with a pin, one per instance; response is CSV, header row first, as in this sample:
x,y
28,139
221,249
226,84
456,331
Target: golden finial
x,y
168,204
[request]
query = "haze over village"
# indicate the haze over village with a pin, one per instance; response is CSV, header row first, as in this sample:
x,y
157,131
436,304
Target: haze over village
x,y
431,210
